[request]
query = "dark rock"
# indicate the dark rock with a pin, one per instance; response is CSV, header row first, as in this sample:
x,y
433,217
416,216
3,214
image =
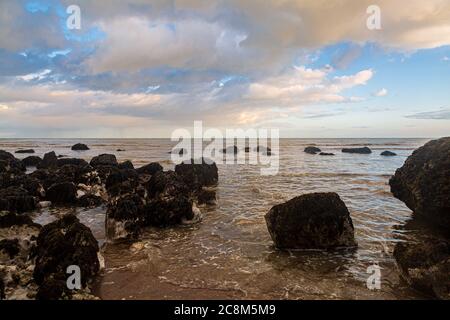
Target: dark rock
x,y
120,150
120,176
425,265
32,161
423,183
9,162
60,244
151,168
27,182
388,153
10,247
49,161
89,201
80,147
9,219
104,160
16,199
311,221
312,150
247,149
126,165
169,202
71,161
2,289
62,193
364,150
124,217
25,151
326,154
206,196
197,175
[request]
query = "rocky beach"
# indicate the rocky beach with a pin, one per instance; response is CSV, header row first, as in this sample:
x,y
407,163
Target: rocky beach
x,y
140,227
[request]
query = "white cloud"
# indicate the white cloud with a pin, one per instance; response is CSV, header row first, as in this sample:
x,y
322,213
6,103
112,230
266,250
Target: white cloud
x,y
383,92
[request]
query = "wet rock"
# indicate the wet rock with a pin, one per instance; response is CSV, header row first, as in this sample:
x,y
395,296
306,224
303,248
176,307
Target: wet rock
x,y
423,183
197,174
120,176
104,160
124,217
312,150
206,196
25,151
64,193
120,150
311,221
364,150
326,154
80,147
9,219
425,265
150,168
16,199
60,244
126,165
169,200
49,161
388,153
89,201
2,289
71,161
10,247
9,162
27,182
32,161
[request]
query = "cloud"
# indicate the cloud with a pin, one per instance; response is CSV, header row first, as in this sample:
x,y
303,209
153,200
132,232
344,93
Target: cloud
x,y
381,93
443,114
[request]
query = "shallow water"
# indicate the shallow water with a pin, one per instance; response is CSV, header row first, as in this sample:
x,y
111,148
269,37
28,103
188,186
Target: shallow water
x,y
230,253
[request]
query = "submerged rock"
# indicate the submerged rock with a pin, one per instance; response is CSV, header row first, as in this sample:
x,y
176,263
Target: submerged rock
x,y
326,154
64,193
150,168
80,147
388,153
423,183
312,150
25,151
60,244
364,150
50,160
16,199
32,161
311,221
104,160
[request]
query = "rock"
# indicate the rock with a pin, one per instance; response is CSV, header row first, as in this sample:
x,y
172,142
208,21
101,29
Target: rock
x,y
89,201
311,221
62,193
44,204
16,199
25,151
120,150
9,219
197,175
364,150
10,247
60,244
27,182
312,150
104,160
169,202
423,183
247,149
9,162
231,149
80,147
124,217
49,161
388,153
206,196
2,289
425,265
326,154
120,176
126,165
71,161
151,168
31,161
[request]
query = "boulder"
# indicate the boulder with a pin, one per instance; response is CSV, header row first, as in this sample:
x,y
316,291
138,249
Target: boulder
x,y
10,247
25,151
27,182
124,217
150,168
388,153
71,161
64,193
312,150
89,201
126,165
16,199
326,154
60,244
104,160
49,161
197,175
423,183
9,162
311,221
364,150
31,161
80,147
9,219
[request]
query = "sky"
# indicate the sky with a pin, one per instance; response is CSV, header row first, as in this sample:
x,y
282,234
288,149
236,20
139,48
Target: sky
x,y
141,68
